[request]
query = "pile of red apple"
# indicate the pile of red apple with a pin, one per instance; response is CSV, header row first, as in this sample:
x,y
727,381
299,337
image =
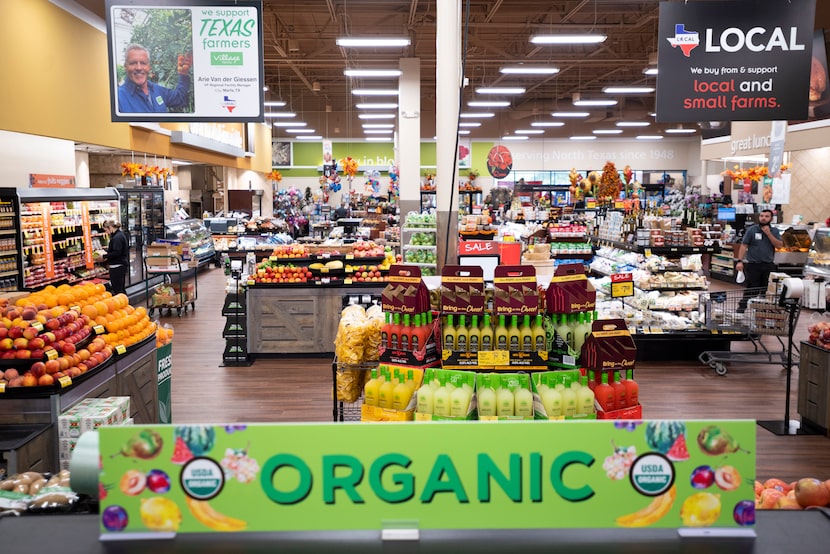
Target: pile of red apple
x,y
71,364
775,494
281,274
28,333
367,249
366,273
820,334
291,251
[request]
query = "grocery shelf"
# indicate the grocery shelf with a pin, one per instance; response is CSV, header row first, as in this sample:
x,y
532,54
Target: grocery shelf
x,y
420,229
420,264
8,253
8,273
419,247
8,214
8,231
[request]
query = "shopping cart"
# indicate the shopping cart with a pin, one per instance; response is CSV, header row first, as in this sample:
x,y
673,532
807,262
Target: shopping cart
x,y
754,313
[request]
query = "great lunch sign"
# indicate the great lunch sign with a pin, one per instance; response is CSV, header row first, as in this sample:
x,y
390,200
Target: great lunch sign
x,y
746,60
510,475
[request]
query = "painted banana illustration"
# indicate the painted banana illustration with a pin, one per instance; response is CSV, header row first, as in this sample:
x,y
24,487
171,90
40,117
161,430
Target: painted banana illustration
x,y
652,513
209,517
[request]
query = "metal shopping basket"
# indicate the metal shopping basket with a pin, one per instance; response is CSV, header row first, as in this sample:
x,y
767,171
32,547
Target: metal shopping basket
x,y
754,313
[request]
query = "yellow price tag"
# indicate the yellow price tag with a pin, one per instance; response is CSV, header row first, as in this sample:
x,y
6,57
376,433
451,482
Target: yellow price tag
x,y
250,282
347,281
76,308
51,354
2,387
99,329
493,357
350,256
273,258
37,325
324,270
120,349
65,381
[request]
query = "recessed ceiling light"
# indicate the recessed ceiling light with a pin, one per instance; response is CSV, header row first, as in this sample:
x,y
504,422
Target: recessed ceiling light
x,y
181,162
265,88
378,131
547,124
584,137
488,103
652,114
586,102
476,114
500,90
378,125
514,137
649,137
372,72
680,131
633,123
374,92
607,131
464,132
371,41
627,90
377,106
570,114
280,114
299,131
289,124
310,137
470,124
275,103
650,71
379,139
529,70
568,39
529,131
376,116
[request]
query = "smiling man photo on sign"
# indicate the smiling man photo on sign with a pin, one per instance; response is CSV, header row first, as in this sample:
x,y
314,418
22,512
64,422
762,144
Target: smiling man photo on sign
x,y
138,94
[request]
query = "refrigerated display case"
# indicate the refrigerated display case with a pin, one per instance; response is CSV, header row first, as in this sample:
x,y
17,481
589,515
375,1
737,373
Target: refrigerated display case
x,y
195,235
142,219
818,259
50,236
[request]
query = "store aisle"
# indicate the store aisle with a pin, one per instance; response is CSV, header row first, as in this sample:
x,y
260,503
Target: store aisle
x,y
299,389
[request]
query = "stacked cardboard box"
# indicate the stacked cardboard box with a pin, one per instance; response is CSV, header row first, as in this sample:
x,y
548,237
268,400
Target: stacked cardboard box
x,y
87,415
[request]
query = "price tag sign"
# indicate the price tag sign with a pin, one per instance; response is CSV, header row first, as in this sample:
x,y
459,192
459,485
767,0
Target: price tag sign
x,y
622,285
99,329
250,282
75,308
2,387
51,354
65,381
350,256
273,258
347,281
37,325
493,357
120,349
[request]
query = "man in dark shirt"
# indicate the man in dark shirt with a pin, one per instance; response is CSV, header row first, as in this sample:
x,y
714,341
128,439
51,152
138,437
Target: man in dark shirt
x,y
758,249
140,95
117,256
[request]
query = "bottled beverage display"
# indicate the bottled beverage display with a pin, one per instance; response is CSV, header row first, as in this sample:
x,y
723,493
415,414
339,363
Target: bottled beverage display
x,y
502,340
526,335
446,393
474,336
632,389
568,397
405,333
486,334
425,394
462,335
385,391
540,340
486,397
605,395
371,389
584,399
449,334
620,400
514,335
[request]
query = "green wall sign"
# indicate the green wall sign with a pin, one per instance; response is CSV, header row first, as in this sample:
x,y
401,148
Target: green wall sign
x,y
508,475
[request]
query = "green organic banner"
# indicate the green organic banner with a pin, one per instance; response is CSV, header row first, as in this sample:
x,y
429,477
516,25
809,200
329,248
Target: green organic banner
x,y
164,372
509,475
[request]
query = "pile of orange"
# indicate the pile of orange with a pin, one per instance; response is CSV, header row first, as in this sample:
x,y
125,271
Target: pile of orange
x,y
164,335
127,325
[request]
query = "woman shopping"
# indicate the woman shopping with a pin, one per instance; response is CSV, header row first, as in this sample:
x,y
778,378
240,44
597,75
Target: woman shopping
x,y
117,256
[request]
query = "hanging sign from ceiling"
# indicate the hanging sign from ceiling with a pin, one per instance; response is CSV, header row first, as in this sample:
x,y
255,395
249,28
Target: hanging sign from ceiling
x,y
746,60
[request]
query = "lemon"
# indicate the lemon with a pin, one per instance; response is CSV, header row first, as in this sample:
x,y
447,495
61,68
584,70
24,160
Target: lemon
x,y
700,510
160,514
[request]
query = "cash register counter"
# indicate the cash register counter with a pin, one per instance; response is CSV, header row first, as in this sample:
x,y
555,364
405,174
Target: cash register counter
x,y
777,532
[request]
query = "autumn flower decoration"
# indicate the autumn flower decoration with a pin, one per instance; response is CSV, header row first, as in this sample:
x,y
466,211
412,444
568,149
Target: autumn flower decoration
x,y
756,173
349,166
473,174
129,169
274,176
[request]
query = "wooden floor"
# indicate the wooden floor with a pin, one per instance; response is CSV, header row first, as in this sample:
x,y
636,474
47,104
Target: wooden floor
x,y
299,389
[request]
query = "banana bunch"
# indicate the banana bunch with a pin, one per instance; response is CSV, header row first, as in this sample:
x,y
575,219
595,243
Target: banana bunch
x,y
209,517
652,513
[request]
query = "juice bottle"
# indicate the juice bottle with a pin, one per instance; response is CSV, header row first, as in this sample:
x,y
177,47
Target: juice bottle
x,y
505,400
605,394
568,398
526,335
405,333
584,399
523,401
460,401
632,389
486,334
395,332
572,328
384,330
552,401
370,391
542,385
486,398
620,399
563,330
425,330
449,334
425,395
385,392
581,332
513,335
401,395
441,399
462,335
502,339
474,340
540,339
415,334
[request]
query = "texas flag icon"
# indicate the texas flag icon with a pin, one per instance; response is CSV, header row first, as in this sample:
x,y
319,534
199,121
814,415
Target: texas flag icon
x,y
686,40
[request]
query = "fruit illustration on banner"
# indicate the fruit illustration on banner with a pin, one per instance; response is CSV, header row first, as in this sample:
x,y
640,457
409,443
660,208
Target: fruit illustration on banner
x,y
499,162
652,513
662,435
160,514
145,445
212,519
133,482
199,439
702,509
714,441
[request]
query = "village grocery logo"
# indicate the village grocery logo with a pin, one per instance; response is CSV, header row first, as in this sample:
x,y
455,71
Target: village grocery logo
x,y
683,39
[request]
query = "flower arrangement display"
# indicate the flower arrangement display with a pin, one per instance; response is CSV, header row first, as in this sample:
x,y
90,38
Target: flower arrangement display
x,y
136,170
349,165
470,184
429,182
609,182
274,176
756,173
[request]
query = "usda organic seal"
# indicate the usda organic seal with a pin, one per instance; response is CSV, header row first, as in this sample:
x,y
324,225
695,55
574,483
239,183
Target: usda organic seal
x,y
652,474
202,478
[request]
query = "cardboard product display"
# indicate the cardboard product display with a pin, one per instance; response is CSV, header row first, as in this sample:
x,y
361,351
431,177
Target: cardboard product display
x,y
560,355
405,291
498,382
428,355
458,379
515,291
371,413
570,291
550,378
609,347
462,290
632,412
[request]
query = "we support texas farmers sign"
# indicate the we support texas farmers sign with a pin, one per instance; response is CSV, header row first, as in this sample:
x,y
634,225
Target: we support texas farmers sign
x,y
746,60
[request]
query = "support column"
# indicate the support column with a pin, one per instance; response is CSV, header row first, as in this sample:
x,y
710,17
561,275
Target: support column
x,y
448,84
409,137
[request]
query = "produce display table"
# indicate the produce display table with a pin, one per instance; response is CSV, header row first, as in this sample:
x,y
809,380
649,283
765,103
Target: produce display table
x,y
778,531
296,319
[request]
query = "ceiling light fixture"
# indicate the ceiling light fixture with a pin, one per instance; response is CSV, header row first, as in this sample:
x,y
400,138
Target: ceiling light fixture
x,y
607,131
470,124
372,72
379,139
529,70
584,137
488,103
289,124
299,131
464,132
378,131
280,114
369,42
374,92
583,38
628,90
310,137
377,106
275,103
501,90
378,125
584,102
376,116
468,115
547,124
649,137
529,131
570,114
515,137
680,130
633,123
650,71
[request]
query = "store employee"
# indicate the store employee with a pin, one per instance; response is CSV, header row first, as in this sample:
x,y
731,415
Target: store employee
x,y
758,249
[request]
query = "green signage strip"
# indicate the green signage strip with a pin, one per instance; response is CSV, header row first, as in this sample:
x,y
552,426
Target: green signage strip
x,y
448,475
164,373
